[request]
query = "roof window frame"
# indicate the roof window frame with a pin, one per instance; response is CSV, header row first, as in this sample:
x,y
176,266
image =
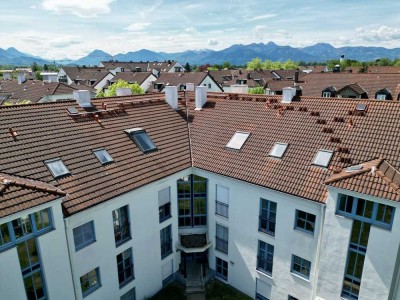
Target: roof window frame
x,y
327,163
96,151
134,132
53,172
237,132
276,145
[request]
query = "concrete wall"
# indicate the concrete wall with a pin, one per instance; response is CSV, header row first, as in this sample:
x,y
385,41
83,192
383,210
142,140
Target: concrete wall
x,y
145,242
382,253
54,257
244,201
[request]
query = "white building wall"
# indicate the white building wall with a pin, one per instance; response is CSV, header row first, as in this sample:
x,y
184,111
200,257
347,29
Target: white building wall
x,y
104,81
148,82
208,81
244,202
62,73
381,256
145,242
54,258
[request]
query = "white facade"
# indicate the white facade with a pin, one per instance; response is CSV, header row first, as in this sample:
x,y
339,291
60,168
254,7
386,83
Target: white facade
x,y
49,76
211,85
326,248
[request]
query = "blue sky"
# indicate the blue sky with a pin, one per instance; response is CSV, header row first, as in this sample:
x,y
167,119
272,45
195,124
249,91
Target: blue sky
x,y
57,29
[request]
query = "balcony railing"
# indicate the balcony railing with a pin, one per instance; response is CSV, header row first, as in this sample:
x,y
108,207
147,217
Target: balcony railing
x,y
222,209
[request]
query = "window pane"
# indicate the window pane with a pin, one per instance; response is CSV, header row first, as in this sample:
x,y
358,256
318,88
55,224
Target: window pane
x,y
37,280
388,215
4,234
23,255
30,291
32,250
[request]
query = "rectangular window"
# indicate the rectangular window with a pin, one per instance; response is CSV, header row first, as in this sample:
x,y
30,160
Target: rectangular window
x,y
84,235
103,156
222,238
129,295
237,140
4,234
366,211
267,218
265,257
57,168
301,266
326,94
90,282
22,226
166,241
221,268
125,267
305,221
323,158
122,231
164,204
42,219
222,202
192,201
141,139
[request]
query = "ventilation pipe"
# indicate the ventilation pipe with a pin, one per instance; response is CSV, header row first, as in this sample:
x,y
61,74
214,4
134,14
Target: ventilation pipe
x,y
171,96
200,97
287,94
82,97
124,92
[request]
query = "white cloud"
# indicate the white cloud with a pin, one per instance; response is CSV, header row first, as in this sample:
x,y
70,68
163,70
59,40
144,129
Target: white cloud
x,y
80,8
212,42
263,17
383,33
138,26
259,31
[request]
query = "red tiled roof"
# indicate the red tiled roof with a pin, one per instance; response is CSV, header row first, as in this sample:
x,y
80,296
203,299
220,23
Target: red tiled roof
x,y
30,192
46,131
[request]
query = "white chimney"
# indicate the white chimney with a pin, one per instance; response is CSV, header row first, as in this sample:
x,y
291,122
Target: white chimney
x,y
287,94
83,98
200,97
268,91
124,92
21,78
171,96
190,87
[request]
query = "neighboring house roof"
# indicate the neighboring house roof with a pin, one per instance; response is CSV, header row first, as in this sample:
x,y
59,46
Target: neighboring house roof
x,y
228,77
162,66
132,77
375,69
314,83
287,74
82,86
112,65
198,138
355,87
86,75
278,85
33,90
177,79
29,193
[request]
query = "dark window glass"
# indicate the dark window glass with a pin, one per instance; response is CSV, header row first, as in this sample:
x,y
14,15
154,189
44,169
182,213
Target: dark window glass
x,y
125,267
84,235
301,266
166,241
267,218
4,234
90,282
265,257
221,268
121,225
305,221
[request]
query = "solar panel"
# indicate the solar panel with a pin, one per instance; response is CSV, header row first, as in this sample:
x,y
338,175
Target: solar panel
x,y
361,107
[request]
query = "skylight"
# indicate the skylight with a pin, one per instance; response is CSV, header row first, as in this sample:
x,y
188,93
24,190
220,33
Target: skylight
x,y
141,139
323,158
103,156
237,140
354,168
361,107
57,167
278,150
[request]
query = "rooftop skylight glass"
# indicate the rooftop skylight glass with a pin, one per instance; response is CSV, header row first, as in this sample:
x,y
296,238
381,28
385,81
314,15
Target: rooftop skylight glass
x,y
57,167
278,150
141,139
323,158
103,156
361,107
237,140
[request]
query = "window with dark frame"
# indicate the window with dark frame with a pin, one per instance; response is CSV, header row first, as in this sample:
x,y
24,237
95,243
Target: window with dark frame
x,y
125,267
141,139
122,231
265,257
90,282
222,238
103,156
305,221
301,266
221,268
164,204
166,241
267,218
222,202
84,235
57,168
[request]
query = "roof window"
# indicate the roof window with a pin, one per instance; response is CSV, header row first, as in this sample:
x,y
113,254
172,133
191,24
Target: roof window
x,y
57,167
323,158
361,107
237,140
354,168
103,156
278,150
141,139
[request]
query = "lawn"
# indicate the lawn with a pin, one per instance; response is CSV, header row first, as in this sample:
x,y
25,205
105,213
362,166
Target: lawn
x,y
216,290
172,291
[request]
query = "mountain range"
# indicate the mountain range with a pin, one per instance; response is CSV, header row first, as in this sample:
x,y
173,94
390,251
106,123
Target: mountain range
x,y
236,54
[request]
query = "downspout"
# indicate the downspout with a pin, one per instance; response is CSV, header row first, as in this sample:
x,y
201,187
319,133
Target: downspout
x,y
188,127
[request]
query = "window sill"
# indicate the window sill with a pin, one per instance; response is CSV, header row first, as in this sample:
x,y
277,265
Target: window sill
x,y
122,242
165,219
300,277
91,291
221,251
84,246
166,255
262,272
266,233
222,216
121,285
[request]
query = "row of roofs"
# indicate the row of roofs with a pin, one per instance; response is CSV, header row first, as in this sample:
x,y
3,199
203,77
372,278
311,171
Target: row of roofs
x,y
297,147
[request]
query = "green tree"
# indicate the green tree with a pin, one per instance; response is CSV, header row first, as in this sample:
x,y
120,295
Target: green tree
x,y
34,67
38,76
213,68
290,65
257,90
226,65
112,89
187,67
45,67
255,64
